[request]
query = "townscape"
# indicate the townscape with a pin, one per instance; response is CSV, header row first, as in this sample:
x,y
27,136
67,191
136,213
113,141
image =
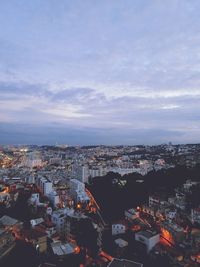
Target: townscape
x,y
100,205
99,133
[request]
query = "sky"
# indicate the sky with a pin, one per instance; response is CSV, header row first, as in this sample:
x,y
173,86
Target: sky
x,y
99,72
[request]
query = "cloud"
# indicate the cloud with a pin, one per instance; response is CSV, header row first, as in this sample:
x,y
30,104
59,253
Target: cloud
x,y
119,67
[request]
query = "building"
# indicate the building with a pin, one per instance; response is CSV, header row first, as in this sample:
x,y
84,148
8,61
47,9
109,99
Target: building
x,y
37,238
64,249
180,201
118,229
149,210
76,185
195,215
81,172
148,238
121,243
170,214
58,217
34,199
5,199
30,179
54,198
124,263
7,242
154,201
37,221
131,214
10,224
45,186
196,258
85,174
171,232
188,185
77,191
32,160
55,161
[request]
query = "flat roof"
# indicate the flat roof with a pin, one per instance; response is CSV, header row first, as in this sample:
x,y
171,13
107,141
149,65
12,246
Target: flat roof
x,y
61,249
33,233
124,263
7,220
2,230
147,234
121,242
132,211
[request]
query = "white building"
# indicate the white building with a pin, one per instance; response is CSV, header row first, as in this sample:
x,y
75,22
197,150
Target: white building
x,y
30,179
131,214
195,215
170,214
48,187
118,229
37,221
76,185
62,249
154,201
34,199
149,210
32,160
54,198
124,263
148,238
81,172
55,161
77,191
123,171
85,174
82,197
45,186
121,243
188,184
58,217
5,198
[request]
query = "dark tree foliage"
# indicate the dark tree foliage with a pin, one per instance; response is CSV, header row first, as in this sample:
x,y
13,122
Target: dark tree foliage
x,y
113,198
193,198
87,236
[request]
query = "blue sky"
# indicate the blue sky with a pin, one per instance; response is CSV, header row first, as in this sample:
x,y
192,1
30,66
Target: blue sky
x,y
99,71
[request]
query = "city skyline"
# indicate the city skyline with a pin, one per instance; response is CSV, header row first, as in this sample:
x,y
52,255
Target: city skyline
x,y
99,72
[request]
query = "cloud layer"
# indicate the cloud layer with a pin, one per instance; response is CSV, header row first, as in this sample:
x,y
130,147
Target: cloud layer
x,y
107,72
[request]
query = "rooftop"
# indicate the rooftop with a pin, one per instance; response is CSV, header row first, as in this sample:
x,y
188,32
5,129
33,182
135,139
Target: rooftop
x,y
121,242
2,230
124,263
147,233
8,221
37,221
62,249
132,211
172,226
33,234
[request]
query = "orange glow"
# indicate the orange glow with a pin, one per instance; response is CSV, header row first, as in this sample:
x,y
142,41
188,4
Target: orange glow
x,y
165,242
93,209
166,235
6,190
78,206
196,258
77,250
107,256
136,228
